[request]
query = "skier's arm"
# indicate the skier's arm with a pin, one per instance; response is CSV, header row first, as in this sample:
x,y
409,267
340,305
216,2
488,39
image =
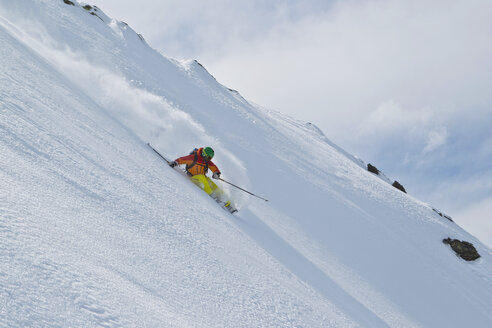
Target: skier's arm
x,y
185,159
213,168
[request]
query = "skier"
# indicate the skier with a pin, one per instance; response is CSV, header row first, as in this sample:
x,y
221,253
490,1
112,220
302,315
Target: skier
x,y
197,164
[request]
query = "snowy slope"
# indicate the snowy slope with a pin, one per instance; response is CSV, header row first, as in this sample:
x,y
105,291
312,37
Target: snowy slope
x,y
97,231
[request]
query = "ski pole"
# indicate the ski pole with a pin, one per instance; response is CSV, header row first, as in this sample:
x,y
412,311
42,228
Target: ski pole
x,y
266,200
168,162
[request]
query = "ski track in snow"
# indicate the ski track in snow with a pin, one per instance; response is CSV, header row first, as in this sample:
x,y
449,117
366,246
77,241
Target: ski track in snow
x,y
95,230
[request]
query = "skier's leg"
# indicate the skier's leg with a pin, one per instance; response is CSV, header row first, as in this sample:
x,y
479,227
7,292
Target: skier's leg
x,y
201,181
216,190
219,195
213,191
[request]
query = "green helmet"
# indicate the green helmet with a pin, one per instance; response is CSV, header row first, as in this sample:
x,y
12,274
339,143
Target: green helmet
x,y
208,152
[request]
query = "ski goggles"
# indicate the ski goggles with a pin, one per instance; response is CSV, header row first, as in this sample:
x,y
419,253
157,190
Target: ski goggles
x,y
207,156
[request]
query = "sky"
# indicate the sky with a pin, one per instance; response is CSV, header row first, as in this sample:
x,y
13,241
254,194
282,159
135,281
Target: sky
x,y
403,84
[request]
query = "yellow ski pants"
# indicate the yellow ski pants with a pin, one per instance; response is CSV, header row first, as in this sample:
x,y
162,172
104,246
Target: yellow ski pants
x,y
206,184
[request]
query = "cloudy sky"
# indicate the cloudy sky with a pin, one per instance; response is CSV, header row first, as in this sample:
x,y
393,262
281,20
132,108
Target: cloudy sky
x,y
404,84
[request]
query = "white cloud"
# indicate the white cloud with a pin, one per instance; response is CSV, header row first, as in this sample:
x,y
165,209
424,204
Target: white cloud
x,y
436,139
336,67
392,116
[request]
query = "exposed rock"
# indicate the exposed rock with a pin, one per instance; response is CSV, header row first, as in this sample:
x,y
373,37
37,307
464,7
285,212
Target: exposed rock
x,y
68,2
443,215
447,217
199,64
87,7
371,168
397,185
203,67
94,14
463,249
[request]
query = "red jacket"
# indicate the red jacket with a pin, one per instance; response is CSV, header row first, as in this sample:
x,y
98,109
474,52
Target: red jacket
x,y
196,164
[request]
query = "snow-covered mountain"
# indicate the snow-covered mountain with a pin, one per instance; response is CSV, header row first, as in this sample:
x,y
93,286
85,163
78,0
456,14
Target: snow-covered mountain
x,y
95,229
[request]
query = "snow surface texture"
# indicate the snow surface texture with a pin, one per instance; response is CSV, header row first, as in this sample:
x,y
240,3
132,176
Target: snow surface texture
x,y
95,229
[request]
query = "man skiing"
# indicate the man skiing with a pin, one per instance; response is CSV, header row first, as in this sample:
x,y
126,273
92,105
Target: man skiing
x,y
198,162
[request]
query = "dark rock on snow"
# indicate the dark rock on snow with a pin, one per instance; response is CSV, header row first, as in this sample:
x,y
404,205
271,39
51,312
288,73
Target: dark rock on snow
x,y
397,185
463,249
371,168
443,215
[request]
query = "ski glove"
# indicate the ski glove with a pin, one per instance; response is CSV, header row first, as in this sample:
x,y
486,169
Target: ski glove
x,y
216,175
173,164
